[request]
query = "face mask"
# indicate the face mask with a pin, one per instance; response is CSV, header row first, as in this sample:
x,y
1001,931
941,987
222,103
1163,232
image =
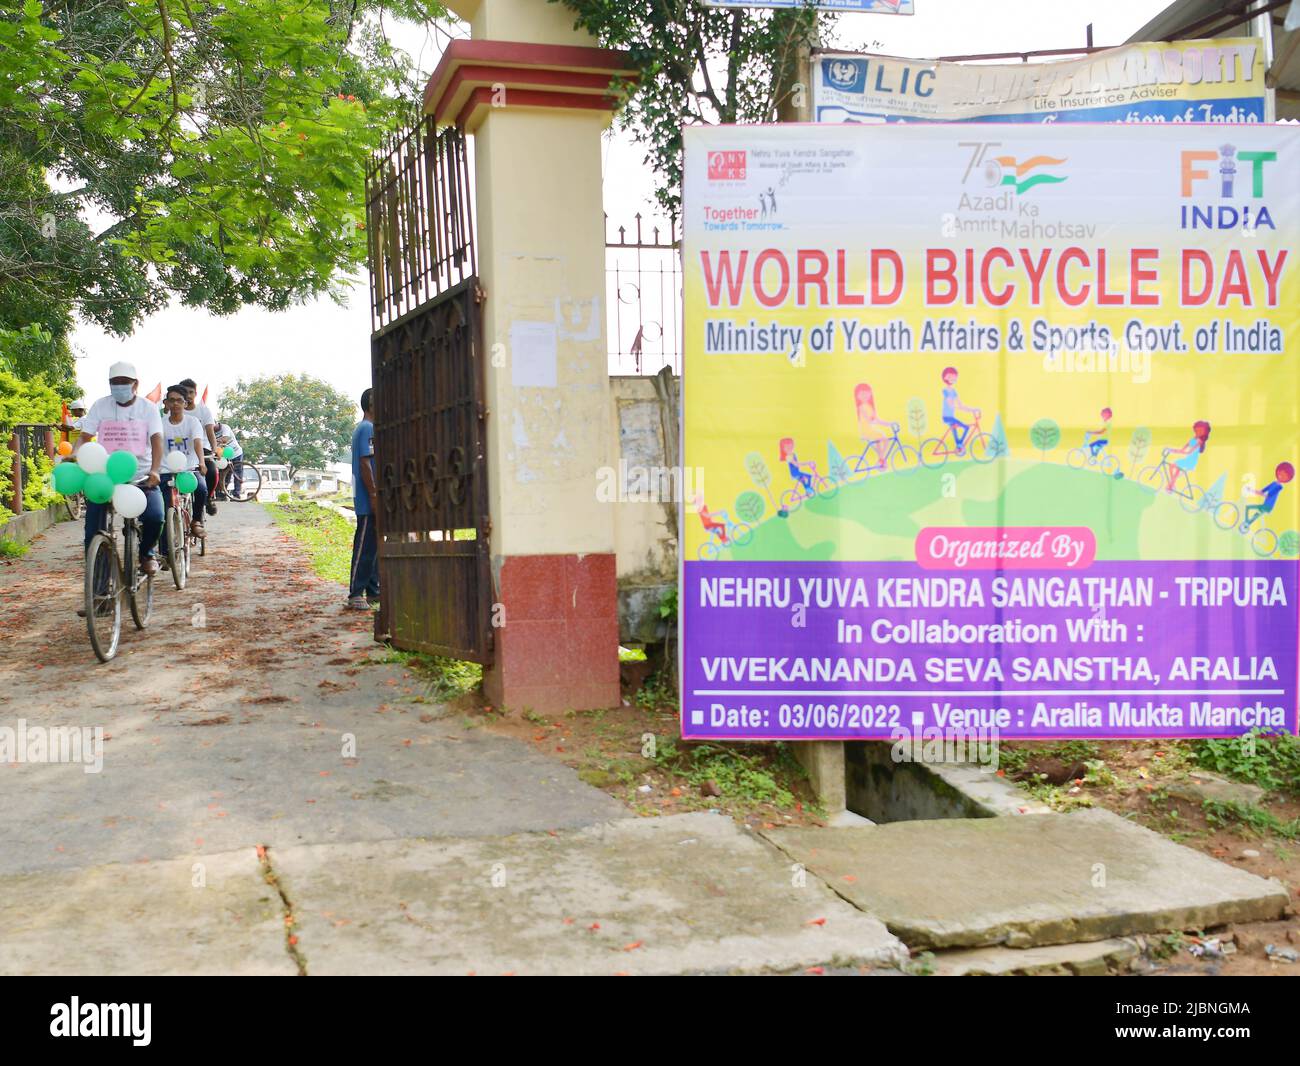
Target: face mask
x,y
121,393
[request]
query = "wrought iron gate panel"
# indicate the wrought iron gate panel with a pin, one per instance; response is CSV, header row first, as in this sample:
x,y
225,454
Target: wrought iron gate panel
x,y
430,465
427,374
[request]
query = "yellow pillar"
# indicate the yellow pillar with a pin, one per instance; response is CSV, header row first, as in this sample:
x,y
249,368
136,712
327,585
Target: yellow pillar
x,y
533,91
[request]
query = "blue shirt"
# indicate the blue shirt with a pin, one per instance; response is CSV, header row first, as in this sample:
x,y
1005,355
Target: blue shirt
x,y
363,444
1270,494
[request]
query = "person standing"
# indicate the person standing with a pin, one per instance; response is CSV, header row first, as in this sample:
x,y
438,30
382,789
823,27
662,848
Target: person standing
x,y
363,586
123,420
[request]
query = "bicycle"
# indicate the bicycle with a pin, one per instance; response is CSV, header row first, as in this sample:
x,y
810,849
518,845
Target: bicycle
x,y
1192,498
738,535
75,505
977,445
179,524
1084,455
1263,542
240,481
823,487
899,458
107,583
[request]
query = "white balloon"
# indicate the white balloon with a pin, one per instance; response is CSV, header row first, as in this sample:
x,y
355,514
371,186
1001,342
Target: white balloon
x,y
128,501
222,463
175,462
92,458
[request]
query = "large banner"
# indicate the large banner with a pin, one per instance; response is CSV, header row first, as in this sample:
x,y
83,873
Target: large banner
x,y
1181,81
996,427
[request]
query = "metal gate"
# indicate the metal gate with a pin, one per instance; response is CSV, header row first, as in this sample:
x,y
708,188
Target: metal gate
x,y
427,371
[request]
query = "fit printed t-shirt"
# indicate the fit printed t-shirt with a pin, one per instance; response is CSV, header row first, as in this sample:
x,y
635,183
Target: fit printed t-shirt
x,y
135,440
363,444
180,438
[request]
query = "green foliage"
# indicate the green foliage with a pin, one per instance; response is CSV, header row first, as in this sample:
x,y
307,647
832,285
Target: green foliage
x,y
1255,819
326,535
1271,761
32,402
749,776
1288,544
668,605
750,507
1045,435
301,421
225,143
698,65
12,549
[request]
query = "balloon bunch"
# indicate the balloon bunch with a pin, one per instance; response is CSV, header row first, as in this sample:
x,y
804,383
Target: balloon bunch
x,y
102,477
186,482
227,453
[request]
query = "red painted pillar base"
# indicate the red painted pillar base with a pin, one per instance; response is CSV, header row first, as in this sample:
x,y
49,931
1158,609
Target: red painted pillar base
x,y
558,649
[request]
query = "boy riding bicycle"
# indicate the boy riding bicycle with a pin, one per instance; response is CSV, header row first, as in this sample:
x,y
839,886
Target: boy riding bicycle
x,y
1283,474
183,433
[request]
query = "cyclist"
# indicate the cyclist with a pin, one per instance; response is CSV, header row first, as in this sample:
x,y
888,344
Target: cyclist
x,y
76,412
1188,454
124,420
201,411
226,439
710,521
799,471
951,405
1100,436
874,431
183,433
1284,473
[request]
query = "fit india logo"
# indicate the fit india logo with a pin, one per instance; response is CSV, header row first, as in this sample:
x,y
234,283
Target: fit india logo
x,y
727,165
1230,167
1006,172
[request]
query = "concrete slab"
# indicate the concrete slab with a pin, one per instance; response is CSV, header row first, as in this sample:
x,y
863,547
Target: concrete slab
x,y
689,893
1078,960
145,918
1049,879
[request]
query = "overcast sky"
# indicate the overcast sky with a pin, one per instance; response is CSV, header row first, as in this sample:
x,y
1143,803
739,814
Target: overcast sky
x,y
332,342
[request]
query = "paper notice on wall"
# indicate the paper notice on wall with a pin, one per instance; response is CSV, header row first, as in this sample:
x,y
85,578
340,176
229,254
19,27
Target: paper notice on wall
x,y
533,354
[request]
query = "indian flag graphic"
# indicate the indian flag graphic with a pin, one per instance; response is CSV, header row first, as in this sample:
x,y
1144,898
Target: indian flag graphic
x,y
1022,175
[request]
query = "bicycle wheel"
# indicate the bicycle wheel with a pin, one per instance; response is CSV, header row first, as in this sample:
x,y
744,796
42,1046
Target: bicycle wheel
x,y
741,534
708,551
1077,458
827,488
103,595
249,486
904,460
139,586
1194,500
1153,478
1225,515
934,453
76,506
791,500
1110,466
176,547
980,448
1264,542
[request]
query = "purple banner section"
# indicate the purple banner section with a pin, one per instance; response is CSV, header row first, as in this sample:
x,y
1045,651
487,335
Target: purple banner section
x,y
858,651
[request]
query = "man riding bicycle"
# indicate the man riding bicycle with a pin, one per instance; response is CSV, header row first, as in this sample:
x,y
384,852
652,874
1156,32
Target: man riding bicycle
x,y
183,433
226,439
201,411
125,421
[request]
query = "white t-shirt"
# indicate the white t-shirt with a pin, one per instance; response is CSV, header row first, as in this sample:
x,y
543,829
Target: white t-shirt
x,y
106,410
180,438
225,435
204,414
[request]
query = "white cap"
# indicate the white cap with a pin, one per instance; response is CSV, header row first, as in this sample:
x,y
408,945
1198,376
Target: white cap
x,y
80,401
123,370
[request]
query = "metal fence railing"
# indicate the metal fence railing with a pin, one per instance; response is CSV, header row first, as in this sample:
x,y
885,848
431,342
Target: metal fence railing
x,y
643,283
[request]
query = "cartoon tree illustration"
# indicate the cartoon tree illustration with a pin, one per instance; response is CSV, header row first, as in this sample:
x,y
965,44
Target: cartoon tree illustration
x,y
838,468
759,474
1045,435
750,507
1214,494
1137,448
1288,544
916,421
998,445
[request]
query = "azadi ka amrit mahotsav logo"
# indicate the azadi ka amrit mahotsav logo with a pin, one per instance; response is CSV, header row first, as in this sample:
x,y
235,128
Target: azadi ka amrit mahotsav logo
x,y
1022,175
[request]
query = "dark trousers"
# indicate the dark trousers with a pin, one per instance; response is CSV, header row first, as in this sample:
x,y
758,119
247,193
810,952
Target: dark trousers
x,y
210,465
151,522
365,559
199,497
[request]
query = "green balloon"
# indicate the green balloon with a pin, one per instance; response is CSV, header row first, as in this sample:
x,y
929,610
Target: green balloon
x,y
68,478
186,482
98,488
121,467
228,452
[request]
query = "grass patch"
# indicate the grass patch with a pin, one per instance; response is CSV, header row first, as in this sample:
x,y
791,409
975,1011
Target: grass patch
x,y
444,679
325,534
12,549
1255,819
1271,761
747,778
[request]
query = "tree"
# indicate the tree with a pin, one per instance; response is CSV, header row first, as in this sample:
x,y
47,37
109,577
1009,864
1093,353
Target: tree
x,y
759,474
225,144
998,446
1137,448
1045,435
698,65
301,422
750,507
916,420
